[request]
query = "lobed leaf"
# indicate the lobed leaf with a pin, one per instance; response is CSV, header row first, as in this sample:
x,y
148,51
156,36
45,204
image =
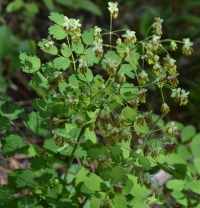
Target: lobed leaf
x,y
66,52
114,174
129,113
88,36
13,143
38,80
176,185
48,69
4,123
57,18
144,162
36,123
27,200
26,178
78,47
29,63
57,31
187,133
127,70
61,63
96,150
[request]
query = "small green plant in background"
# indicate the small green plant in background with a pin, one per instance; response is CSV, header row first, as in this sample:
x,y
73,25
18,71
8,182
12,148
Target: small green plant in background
x,y
94,126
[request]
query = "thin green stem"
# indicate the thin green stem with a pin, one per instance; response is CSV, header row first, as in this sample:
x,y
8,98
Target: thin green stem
x,y
154,125
161,91
73,60
110,31
72,156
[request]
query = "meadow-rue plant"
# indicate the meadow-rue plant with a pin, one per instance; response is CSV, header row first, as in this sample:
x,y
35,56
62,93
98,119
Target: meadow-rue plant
x,y
92,124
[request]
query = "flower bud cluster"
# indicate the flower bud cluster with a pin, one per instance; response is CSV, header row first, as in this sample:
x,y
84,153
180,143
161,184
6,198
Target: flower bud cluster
x,y
180,95
129,37
73,100
98,47
72,141
80,122
117,187
48,43
169,147
112,7
58,77
105,204
72,25
157,192
171,129
145,180
58,140
111,66
187,47
83,65
155,151
157,25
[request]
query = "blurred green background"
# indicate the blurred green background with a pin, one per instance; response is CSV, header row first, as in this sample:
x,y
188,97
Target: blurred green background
x,y
23,23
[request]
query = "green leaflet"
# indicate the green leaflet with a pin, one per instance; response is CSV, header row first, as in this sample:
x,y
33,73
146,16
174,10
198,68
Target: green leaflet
x,y
115,174
128,91
88,37
13,143
127,70
29,63
57,18
38,80
144,162
129,113
176,185
96,150
13,112
61,63
187,133
57,31
36,123
27,199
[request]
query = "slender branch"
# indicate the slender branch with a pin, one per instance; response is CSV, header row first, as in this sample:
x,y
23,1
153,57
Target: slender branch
x,y
154,125
73,152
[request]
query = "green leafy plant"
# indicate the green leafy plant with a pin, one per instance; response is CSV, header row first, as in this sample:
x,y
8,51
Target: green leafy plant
x,y
111,168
